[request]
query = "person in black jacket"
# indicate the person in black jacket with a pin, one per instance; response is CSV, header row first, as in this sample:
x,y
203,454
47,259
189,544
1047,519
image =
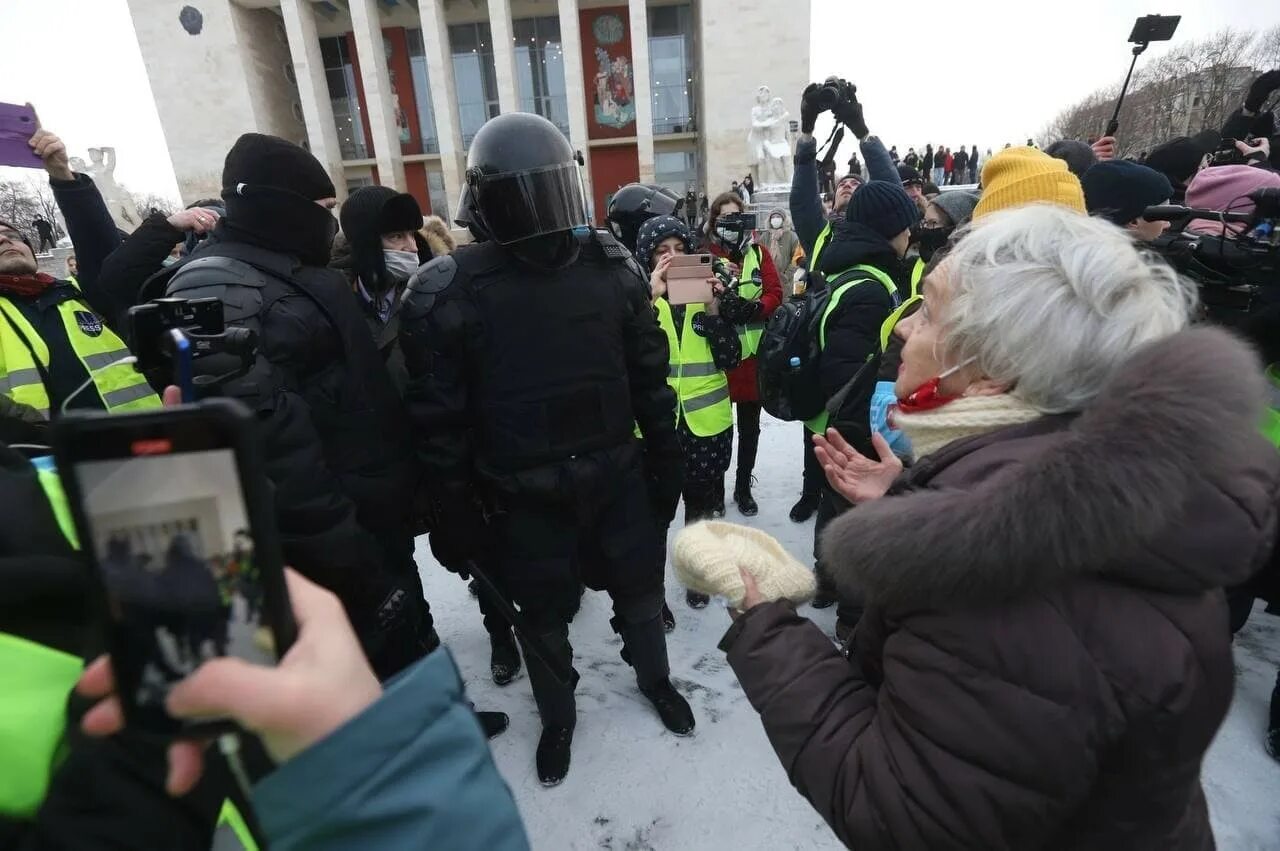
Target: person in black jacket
x,y
960,166
533,358
875,232
335,432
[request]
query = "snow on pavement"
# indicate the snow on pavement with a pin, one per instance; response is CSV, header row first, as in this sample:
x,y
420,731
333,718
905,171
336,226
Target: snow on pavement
x,y
633,786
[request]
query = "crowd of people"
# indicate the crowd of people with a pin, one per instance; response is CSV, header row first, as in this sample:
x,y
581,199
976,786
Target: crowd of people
x,y
1038,478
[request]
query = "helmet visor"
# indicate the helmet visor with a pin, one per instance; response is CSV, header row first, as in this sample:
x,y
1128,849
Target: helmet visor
x,y
523,204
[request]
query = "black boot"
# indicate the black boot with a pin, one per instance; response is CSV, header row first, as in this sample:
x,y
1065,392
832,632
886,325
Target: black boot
x,y
553,754
493,723
742,496
668,619
1273,731
718,510
805,508
696,600
504,658
672,708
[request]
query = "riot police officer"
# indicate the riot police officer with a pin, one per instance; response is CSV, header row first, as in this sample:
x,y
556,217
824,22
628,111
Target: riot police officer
x,y
633,205
532,358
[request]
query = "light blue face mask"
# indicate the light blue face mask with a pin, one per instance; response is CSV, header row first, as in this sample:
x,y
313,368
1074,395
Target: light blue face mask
x,y
169,261
400,264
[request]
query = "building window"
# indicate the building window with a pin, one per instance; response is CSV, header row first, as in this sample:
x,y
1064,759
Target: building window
x,y
354,183
477,83
422,92
540,70
671,69
436,195
344,95
676,170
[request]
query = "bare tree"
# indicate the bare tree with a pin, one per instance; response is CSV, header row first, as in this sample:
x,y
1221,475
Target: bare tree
x,y
47,206
1192,88
18,205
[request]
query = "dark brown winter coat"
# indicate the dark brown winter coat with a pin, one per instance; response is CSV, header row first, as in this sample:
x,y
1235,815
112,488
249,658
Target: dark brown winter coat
x,y
1046,658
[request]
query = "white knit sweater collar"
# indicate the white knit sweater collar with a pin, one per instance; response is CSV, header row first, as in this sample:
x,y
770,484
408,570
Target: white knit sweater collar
x,y
929,431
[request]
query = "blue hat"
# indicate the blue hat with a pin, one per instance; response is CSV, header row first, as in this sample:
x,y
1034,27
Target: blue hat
x,y
657,229
883,207
1118,190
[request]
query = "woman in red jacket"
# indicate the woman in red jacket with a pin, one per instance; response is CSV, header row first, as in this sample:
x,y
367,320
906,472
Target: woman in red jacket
x,y
730,237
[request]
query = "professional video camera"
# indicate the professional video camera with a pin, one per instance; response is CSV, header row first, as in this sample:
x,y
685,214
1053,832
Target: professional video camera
x,y
1236,275
168,334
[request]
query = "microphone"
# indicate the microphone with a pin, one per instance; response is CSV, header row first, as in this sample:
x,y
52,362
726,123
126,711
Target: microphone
x,y
1174,212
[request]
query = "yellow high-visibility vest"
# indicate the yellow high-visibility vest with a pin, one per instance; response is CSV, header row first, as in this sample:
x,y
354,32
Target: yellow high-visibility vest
x,y
702,389
751,333
24,354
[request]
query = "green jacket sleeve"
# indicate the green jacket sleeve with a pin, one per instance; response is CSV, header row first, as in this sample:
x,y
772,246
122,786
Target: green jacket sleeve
x,y
412,771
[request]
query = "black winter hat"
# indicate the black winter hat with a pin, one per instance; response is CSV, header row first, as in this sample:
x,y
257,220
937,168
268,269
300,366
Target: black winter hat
x,y
1078,156
259,160
883,207
657,229
366,215
1118,190
907,174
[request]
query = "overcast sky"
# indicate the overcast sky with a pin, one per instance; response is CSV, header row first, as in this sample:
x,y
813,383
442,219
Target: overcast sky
x,y
981,72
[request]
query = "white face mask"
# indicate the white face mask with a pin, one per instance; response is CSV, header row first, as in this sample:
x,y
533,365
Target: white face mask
x,y
776,222
400,264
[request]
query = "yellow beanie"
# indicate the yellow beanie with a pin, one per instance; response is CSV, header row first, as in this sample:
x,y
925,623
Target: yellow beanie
x,y
1025,175
707,557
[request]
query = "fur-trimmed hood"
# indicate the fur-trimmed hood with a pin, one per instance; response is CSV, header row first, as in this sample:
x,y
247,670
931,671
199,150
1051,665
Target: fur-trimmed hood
x,y
1163,482
437,235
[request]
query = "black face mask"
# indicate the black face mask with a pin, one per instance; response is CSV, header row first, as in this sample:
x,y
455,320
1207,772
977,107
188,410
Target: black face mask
x,y
550,252
930,240
280,220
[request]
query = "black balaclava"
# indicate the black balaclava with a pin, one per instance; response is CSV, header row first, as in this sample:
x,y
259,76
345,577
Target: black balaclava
x,y
547,252
271,187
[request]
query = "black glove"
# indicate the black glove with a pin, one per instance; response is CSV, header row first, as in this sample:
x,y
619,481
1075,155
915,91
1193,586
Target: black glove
x,y
458,533
849,112
809,109
1263,86
664,476
737,309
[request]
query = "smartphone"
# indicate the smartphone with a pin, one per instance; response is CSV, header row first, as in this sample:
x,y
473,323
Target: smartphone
x,y
18,124
1149,28
175,516
687,279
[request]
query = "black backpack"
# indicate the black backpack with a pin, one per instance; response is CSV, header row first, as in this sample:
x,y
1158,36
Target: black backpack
x,y
790,351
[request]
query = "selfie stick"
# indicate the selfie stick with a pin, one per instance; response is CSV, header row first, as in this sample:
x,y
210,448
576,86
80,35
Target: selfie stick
x,y
1114,124
567,676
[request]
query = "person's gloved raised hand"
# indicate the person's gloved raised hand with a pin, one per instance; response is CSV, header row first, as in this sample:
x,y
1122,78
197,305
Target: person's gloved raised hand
x,y
849,113
1260,89
809,109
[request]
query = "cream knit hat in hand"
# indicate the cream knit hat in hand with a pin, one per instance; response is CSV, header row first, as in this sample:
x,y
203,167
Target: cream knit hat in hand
x,y
707,557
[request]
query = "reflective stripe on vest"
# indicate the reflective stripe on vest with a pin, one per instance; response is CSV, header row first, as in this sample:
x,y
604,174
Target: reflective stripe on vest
x,y
33,702
818,424
232,833
818,244
121,387
750,335
1271,419
702,390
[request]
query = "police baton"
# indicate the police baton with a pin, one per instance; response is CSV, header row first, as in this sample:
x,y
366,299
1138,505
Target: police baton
x,y
565,674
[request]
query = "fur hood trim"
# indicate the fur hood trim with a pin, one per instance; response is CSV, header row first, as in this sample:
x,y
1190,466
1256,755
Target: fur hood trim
x,y
1163,482
437,235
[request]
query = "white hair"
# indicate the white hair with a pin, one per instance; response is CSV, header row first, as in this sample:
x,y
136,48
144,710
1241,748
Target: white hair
x,y
1051,302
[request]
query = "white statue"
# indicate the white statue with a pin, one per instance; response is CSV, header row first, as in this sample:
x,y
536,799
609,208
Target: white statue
x,y
777,145
102,170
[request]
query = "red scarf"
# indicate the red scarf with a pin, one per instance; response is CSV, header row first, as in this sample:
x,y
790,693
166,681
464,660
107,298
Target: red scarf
x,y
25,285
925,398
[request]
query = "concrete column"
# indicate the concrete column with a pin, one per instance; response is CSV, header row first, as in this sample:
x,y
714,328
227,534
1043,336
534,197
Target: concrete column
x,y
571,46
504,55
377,93
444,101
644,93
313,90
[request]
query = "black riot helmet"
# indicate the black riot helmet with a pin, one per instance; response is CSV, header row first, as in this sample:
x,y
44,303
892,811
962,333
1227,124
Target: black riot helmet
x,y
524,179
636,203
467,216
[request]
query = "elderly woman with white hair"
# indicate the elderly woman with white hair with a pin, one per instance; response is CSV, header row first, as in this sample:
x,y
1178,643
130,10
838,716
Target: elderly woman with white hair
x,y
1044,658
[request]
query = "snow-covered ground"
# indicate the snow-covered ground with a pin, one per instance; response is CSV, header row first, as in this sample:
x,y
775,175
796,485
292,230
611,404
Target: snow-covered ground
x,y
634,786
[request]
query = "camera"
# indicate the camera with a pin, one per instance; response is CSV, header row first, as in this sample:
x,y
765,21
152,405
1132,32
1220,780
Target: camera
x,y
201,321
833,92
1228,153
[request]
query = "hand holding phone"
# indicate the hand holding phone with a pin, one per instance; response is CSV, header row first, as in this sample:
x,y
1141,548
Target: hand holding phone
x,y
176,517
322,683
